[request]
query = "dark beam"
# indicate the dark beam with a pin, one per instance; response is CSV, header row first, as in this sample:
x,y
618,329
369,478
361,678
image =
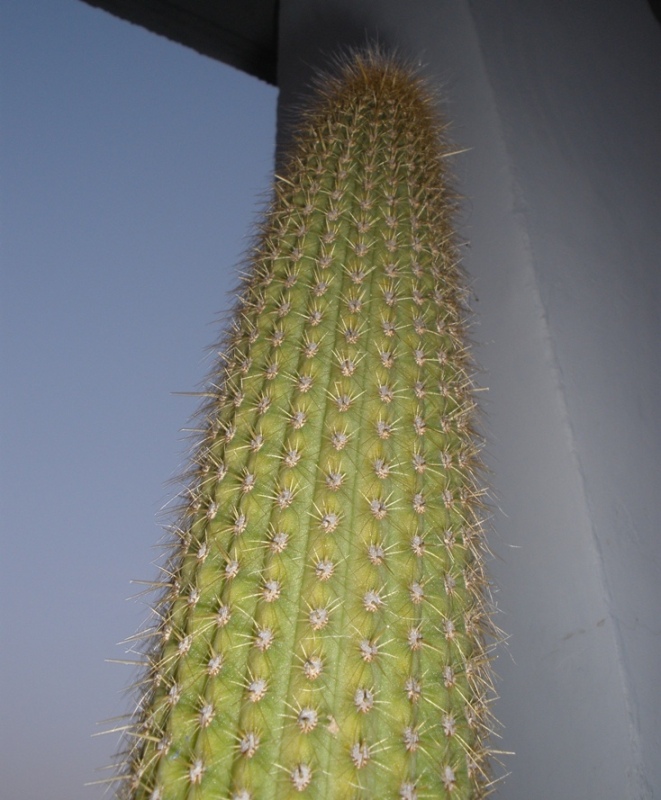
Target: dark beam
x,y
241,33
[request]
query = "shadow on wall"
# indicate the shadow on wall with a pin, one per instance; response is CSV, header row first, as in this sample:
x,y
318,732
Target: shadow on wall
x,y
655,5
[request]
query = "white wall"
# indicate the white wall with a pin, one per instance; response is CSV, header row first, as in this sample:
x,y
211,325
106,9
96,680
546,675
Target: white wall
x,y
559,105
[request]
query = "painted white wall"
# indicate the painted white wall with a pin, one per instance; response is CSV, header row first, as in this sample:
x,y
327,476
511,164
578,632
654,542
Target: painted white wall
x,y
559,105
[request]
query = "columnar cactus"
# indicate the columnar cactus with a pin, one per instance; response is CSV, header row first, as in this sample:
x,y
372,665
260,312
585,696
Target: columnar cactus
x,y
321,632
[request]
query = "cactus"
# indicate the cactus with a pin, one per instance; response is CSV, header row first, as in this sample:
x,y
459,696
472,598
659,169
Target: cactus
x,y
322,628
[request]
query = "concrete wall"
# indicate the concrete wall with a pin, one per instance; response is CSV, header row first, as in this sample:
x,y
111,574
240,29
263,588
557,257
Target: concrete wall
x,y
559,105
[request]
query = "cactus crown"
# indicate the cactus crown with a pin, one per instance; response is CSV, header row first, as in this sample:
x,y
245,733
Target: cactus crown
x,y
322,630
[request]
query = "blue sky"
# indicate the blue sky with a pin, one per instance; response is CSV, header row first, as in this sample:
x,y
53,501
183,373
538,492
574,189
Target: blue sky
x,y
132,170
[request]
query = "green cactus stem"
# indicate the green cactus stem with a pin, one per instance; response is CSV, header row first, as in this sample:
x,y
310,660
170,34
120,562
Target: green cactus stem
x,y
322,630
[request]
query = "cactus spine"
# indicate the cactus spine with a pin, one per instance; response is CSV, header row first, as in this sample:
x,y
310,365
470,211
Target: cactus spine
x,y
322,629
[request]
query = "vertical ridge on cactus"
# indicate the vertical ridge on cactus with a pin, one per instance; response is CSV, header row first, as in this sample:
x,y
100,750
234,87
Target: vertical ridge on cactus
x,y
324,624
